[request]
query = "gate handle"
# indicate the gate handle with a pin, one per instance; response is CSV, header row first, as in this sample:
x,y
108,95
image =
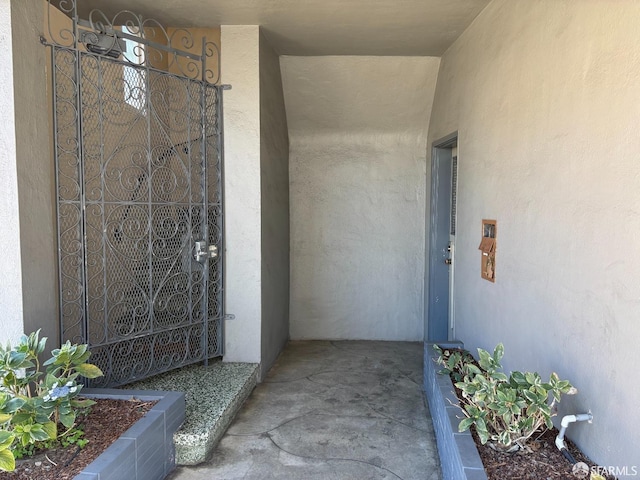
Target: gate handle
x,y
203,251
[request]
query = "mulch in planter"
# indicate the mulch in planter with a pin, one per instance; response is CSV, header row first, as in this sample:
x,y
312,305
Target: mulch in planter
x,y
106,421
545,462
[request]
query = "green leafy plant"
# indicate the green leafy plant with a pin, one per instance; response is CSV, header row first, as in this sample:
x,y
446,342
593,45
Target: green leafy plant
x,y
73,436
453,362
505,410
33,404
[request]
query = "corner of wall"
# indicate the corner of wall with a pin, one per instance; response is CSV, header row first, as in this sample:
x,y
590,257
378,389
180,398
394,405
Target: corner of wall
x,y
11,292
274,179
35,171
243,230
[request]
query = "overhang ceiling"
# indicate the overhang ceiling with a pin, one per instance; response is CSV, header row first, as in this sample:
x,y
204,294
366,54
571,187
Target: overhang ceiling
x,y
327,27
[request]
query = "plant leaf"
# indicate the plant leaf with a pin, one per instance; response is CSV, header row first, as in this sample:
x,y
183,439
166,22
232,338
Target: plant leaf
x,y
504,438
485,359
498,353
87,402
14,405
79,353
519,378
471,368
88,370
499,376
530,378
465,424
7,462
39,434
50,429
6,439
18,360
68,419
42,344
50,361
483,435
19,418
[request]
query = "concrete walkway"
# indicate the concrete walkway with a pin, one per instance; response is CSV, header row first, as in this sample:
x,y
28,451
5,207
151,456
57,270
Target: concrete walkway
x,y
331,410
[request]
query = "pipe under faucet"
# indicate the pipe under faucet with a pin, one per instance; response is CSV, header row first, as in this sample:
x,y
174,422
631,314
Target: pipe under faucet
x,y
564,424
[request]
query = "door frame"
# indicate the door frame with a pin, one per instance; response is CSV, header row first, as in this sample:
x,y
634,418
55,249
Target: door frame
x,y
438,326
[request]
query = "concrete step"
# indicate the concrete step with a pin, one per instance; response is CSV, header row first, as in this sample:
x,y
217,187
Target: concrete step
x,y
213,394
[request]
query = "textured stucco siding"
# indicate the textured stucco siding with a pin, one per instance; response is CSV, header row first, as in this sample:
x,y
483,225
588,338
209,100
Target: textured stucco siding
x,y
545,98
357,173
274,177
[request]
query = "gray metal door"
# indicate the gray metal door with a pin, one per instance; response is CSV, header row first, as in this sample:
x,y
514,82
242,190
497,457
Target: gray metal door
x,y
139,196
441,240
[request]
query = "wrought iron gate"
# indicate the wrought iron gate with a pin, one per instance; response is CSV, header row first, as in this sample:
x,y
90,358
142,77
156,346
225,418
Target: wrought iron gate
x,y
138,158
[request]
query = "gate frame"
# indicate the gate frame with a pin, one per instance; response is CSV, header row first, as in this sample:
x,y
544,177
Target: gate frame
x,y
101,36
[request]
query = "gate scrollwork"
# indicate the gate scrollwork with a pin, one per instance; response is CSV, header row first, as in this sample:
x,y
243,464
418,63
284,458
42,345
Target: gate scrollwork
x,y
138,158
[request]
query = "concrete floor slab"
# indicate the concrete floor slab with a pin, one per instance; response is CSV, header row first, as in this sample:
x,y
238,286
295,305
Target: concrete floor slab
x,y
331,410
383,443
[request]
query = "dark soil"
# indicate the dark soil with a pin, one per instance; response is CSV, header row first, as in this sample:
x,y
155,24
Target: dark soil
x,y
106,421
545,462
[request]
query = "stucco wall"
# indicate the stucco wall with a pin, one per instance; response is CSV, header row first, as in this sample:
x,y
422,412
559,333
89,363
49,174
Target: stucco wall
x,y
28,299
11,291
274,175
357,129
545,96
35,172
240,68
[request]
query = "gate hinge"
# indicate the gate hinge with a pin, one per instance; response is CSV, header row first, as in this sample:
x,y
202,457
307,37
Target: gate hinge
x,y
226,87
229,316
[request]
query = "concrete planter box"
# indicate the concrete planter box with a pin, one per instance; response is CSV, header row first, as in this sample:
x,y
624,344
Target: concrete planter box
x,y
459,456
145,451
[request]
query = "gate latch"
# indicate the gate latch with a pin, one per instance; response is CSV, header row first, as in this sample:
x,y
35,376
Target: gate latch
x,y
202,251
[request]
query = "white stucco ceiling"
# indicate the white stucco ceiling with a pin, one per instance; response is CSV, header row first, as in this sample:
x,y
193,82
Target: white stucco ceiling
x,y
322,27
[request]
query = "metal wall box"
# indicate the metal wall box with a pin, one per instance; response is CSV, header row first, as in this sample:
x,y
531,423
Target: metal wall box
x,y
488,249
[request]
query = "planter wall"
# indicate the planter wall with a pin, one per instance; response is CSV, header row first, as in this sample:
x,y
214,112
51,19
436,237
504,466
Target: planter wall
x,y
146,450
459,458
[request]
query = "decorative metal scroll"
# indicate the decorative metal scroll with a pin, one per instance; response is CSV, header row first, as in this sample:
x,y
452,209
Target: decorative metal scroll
x,y
138,158
154,46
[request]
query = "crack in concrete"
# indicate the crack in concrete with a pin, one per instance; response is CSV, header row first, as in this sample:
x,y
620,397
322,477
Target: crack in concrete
x,y
315,412
263,432
304,377
370,406
398,421
253,462
335,459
